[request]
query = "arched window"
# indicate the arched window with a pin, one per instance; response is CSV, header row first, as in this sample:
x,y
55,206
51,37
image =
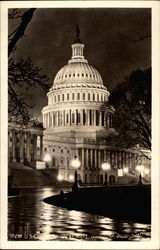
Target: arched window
x,y
72,96
73,118
78,96
67,96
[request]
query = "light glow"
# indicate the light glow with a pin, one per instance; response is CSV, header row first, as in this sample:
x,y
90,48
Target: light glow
x,y
47,158
146,171
71,177
76,163
60,177
125,170
140,168
106,166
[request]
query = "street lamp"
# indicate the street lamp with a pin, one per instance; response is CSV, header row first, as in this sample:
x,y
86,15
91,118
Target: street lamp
x,y
140,168
106,166
76,164
125,170
47,159
60,177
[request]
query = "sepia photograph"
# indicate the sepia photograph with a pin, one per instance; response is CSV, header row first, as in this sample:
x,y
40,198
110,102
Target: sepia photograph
x,y
79,113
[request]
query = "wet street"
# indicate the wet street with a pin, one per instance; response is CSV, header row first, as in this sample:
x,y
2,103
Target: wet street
x,y
29,218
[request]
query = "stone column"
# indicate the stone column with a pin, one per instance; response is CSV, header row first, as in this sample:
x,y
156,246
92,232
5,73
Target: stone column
x,y
13,146
86,158
99,159
41,147
28,147
94,117
21,144
95,155
83,158
91,158
81,116
100,118
64,118
75,114
104,154
35,148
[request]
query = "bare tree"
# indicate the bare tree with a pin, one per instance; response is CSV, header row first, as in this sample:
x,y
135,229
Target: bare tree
x,y
22,73
132,102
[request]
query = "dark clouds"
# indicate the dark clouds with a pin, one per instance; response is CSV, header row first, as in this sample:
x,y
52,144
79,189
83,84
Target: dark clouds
x,y
107,35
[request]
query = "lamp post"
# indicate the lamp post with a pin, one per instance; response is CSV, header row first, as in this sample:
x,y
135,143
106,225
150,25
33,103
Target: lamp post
x,y
106,166
76,164
140,168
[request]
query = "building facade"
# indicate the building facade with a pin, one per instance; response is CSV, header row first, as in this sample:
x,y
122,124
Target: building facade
x,y
23,145
77,121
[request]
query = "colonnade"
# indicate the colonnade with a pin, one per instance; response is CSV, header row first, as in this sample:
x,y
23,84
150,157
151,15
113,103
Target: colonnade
x,y
93,158
78,117
22,146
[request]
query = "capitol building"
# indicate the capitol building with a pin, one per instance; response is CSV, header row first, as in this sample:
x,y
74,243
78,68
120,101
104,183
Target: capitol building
x,y
77,121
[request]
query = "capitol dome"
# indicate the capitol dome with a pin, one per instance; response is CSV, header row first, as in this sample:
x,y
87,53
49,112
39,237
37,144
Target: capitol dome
x,y
78,73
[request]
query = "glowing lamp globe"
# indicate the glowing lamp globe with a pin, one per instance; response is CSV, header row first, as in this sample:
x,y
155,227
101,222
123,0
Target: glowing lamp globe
x,y
106,166
60,177
140,168
47,158
71,177
76,163
146,171
125,170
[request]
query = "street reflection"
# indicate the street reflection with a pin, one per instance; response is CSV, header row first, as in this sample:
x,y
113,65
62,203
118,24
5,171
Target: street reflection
x,y
29,218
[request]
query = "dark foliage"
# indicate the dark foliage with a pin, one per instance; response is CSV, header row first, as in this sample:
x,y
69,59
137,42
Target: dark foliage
x,y
132,102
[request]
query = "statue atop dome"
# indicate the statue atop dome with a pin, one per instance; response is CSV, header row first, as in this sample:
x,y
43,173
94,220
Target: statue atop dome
x,y
77,38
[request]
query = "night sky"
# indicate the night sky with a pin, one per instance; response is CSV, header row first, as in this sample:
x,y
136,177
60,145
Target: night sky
x,y
108,35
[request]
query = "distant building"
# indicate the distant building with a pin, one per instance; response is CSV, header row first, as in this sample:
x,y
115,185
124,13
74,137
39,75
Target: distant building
x,y
22,144
77,122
